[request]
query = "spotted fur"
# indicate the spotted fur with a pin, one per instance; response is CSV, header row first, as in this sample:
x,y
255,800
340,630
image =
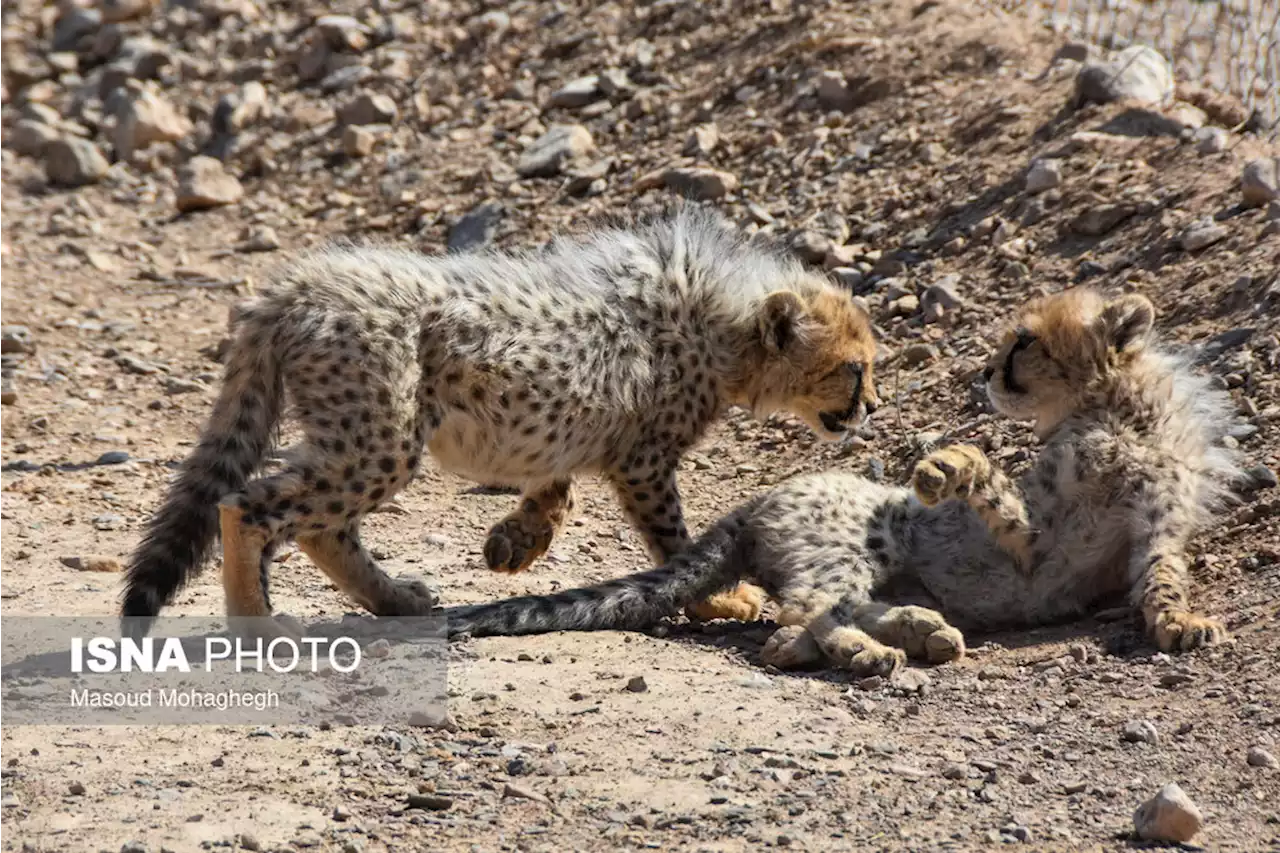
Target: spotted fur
x,y
610,354
1132,466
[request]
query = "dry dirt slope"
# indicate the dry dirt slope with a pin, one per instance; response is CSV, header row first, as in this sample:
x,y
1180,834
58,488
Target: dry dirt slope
x,y
913,178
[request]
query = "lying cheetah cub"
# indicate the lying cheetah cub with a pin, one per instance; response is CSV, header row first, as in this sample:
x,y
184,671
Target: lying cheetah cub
x,y
610,355
1132,466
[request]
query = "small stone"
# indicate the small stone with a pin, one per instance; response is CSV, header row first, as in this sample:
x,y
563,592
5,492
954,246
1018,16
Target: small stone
x,y
1043,175
259,238
250,842
116,11
148,118
910,680
1168,816
1260,181
577,93
379,648
955,771
810,246
554,150
30,138
1201,234
16,340
76,789
1259,757
204,184
368,109
702,140
833,91
134,847
1138,73
848,277
1140,731
1029,777
616,84
434,719
637,684
1211,140
905,306
92,564
520,792
358,141
917,354
1261,477
699,183
477,228
73,162
343,32
1098,220
430,802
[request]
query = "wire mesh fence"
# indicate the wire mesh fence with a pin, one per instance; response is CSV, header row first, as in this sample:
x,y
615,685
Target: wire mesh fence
x,y
1231,46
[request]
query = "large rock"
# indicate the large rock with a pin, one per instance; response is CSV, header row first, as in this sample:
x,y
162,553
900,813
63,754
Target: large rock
x,y
203,183
577,93
1260,181
73,162
1138,73
148,118
1168,816
554,150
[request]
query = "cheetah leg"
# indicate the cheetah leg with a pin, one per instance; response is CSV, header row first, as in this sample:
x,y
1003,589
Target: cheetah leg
x,y
526,534
342,557
245,556
922,633
1160,591
652,503
791,647
837,634
963,472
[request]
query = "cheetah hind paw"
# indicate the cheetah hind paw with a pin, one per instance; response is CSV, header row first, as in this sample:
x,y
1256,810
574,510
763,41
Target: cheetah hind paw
x,y
1181,631
516,542
951,472
791,647
743,603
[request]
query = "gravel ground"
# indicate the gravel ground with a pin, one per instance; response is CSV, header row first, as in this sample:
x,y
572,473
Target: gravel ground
x,y
159,160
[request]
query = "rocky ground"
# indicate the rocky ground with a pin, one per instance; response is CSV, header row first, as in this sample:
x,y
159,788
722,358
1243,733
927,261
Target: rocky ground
x,y
159,160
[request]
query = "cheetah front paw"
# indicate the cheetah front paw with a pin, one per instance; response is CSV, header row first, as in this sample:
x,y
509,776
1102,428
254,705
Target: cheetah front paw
x,y
922,633
517,541
1181,631
743,603
791,647
407,597
951,472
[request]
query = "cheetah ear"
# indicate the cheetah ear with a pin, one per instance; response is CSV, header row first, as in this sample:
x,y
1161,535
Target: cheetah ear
x,y
779,318
1127,322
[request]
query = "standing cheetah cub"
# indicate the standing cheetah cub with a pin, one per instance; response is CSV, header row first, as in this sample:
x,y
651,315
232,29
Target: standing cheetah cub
x,y
609,355
1132,466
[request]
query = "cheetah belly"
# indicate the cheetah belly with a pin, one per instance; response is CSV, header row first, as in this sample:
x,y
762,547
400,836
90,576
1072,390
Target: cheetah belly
x,y
482,451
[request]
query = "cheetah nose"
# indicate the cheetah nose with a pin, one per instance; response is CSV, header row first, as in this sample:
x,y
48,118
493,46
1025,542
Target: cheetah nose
x,y
987,373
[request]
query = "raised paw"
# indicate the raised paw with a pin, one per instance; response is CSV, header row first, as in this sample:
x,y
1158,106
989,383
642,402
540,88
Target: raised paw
x,y
408,598
516,541
1181,631
791,647
951,472
744,603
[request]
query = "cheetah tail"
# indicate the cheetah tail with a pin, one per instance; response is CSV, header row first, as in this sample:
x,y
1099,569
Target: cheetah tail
x,y
233,443
713,563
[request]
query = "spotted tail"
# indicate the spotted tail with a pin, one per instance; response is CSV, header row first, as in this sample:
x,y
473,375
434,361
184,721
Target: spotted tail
x,y
232,445
715,562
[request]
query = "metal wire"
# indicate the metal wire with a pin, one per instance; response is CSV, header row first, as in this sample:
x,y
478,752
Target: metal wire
x,y
1230,46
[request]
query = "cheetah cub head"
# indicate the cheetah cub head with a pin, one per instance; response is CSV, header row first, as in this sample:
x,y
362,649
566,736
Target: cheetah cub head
x,y
819,350
1062,350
